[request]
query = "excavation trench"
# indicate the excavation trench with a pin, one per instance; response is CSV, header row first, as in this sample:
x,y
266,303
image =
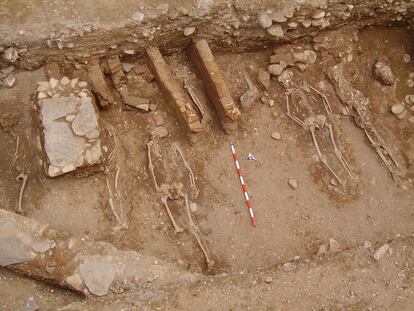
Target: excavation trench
x,y
127,153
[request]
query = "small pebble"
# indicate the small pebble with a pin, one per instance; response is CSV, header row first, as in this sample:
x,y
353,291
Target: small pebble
x,y
397,108
276,136
188,31
293,183
406,58
268,280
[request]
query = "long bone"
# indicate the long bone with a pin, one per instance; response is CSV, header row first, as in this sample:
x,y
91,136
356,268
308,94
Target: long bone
x,y
196,233
177,228
338,153
321,157
24,177
194,189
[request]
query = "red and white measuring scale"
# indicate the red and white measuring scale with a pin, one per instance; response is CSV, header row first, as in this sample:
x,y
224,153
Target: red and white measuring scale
x,y
244,187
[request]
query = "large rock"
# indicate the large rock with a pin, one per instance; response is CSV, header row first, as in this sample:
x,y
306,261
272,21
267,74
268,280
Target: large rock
x,y
71,133
383,72
97,275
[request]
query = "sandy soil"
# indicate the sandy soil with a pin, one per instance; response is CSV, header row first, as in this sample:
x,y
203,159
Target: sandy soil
x,y
290,222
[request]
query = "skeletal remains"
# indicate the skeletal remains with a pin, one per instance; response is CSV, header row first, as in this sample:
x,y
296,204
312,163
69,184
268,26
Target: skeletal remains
x,y
358,106
310,108
176,190
114,194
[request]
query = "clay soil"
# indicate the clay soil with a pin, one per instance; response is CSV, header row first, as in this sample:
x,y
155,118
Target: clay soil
x,y
289,222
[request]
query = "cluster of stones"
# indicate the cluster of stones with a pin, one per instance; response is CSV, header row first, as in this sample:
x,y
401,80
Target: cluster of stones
x,y
7,78
278,21
405,109
287,57
70,125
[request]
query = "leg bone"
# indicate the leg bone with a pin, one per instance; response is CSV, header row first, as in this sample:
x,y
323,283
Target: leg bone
x,y
151,167
177,228
338,153
196,232
322,158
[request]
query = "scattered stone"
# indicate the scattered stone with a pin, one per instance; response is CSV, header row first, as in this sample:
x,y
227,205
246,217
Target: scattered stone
x,y
292,25
41,246
268,279
267,101
193,207
380,252
65,81
53,83
382,71
31,305
6,71
319,15
334,246
275,31
406,58
276,136
264,20
293,183
310,56
9,81
75,281
137,17
306,23
323,249
127,67
10,54
83,84
129,52
300,57
276,69
410,83
288,267
409,99
399,111
411,119
97,276
152,107
41,95
367,244
264,78
188,31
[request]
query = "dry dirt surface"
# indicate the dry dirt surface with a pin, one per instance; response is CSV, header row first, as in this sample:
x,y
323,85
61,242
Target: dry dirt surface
x,y
317,246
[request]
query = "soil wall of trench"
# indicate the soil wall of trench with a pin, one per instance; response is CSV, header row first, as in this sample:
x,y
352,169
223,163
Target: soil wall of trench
x,y
77,30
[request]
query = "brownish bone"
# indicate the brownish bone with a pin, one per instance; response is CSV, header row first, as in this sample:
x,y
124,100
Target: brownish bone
x,y
41,252
173,91
214,83
99,85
